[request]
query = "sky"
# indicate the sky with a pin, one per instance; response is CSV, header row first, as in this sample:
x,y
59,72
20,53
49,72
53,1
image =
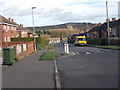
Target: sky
x,y
53,12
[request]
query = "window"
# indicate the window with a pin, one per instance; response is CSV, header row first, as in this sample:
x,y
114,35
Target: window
x,y
81,39
4,39
13,28
4,27
8,39
8,27
24,47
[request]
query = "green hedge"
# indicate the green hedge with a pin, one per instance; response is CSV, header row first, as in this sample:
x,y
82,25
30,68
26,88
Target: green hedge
x,y
39,40
42,41
99,41
26,39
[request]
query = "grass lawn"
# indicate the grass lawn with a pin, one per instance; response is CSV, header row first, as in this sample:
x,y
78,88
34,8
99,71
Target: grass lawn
x,y
49,55
105,47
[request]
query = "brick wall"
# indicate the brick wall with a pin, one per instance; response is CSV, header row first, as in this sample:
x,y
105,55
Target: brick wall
x,y
22,53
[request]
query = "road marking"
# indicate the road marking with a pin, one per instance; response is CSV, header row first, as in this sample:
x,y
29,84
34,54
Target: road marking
x,y
71,54
87,53
77,53
57,79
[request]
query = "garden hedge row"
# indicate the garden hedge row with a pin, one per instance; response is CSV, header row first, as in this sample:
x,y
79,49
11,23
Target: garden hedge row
x,y
97,41
39,40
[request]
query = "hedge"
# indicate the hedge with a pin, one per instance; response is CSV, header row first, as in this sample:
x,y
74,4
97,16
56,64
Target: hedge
x,y
42,41
99,41
39,40
25,39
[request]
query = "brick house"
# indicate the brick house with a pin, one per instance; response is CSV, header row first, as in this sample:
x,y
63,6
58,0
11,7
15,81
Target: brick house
x,y
8,29
22,31
100,31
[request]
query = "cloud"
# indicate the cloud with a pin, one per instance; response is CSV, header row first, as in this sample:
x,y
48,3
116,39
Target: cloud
x,y
59,10
16,11
2,3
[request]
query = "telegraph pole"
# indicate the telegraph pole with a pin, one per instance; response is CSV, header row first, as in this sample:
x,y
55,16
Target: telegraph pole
x,y
108,26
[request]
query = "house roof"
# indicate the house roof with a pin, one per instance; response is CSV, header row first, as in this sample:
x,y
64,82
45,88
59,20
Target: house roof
x,y
20,27
104,26
4,20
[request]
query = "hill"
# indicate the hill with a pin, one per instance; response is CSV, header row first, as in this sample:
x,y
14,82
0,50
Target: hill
x,y
80,26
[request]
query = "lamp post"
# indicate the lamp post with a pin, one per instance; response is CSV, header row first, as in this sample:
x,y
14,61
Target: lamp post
x,y
33,28
108,26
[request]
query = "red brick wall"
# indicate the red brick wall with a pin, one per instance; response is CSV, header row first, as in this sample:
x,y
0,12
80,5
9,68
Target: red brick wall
x,y
30,48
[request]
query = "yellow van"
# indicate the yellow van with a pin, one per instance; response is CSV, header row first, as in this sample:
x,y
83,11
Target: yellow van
x,y
81,40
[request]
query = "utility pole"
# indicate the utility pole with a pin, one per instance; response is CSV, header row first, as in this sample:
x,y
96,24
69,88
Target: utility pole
x,y
108,26
33,28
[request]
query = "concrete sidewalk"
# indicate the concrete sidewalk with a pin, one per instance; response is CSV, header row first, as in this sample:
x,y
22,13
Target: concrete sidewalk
x,y
29,73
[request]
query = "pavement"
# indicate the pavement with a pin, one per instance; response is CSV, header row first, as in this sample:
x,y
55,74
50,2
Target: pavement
x,y
29,73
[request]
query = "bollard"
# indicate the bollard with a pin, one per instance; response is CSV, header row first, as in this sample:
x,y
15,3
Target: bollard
x,y
67,48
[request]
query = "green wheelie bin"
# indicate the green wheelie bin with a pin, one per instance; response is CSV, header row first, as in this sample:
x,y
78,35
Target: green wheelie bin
x,y
8,55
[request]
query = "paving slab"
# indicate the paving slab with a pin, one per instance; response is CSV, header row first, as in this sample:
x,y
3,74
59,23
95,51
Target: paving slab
x,y
29,73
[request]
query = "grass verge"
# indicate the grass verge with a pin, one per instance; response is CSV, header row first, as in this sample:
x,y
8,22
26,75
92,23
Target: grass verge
x,y
49,55
51,46
109,47
105,47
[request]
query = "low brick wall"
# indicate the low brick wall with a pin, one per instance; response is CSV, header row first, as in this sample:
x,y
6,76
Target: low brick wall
x,y
22,54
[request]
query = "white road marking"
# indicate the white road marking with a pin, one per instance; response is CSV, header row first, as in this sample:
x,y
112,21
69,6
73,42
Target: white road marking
x,y
77,53
58,85
87,53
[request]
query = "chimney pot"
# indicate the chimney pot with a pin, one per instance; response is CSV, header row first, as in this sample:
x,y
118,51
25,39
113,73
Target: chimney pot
x,y
113,19
9,18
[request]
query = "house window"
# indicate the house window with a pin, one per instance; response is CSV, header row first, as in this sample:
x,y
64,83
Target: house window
x,y
8,27
24,47
13,28
18,49
5,27
8,39
5,39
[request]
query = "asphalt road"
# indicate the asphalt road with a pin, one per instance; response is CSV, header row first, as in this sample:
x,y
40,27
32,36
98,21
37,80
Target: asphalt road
x,y
87,67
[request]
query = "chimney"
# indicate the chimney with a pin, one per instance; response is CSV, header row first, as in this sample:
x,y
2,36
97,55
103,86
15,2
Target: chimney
x,y
113,19
9,18
21,25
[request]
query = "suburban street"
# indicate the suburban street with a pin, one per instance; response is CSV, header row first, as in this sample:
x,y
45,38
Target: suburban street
x,y
87,67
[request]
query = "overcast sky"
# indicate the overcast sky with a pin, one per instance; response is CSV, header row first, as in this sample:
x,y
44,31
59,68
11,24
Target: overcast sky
x,y
52,12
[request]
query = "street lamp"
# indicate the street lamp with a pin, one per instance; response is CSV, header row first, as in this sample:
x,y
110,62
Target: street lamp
x,y
33,28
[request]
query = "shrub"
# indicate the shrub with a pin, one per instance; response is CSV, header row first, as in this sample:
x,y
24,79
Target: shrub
x,y
99,41
25,39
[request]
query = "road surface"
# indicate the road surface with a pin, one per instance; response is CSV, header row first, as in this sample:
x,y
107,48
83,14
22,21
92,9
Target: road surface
x,y
87,67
